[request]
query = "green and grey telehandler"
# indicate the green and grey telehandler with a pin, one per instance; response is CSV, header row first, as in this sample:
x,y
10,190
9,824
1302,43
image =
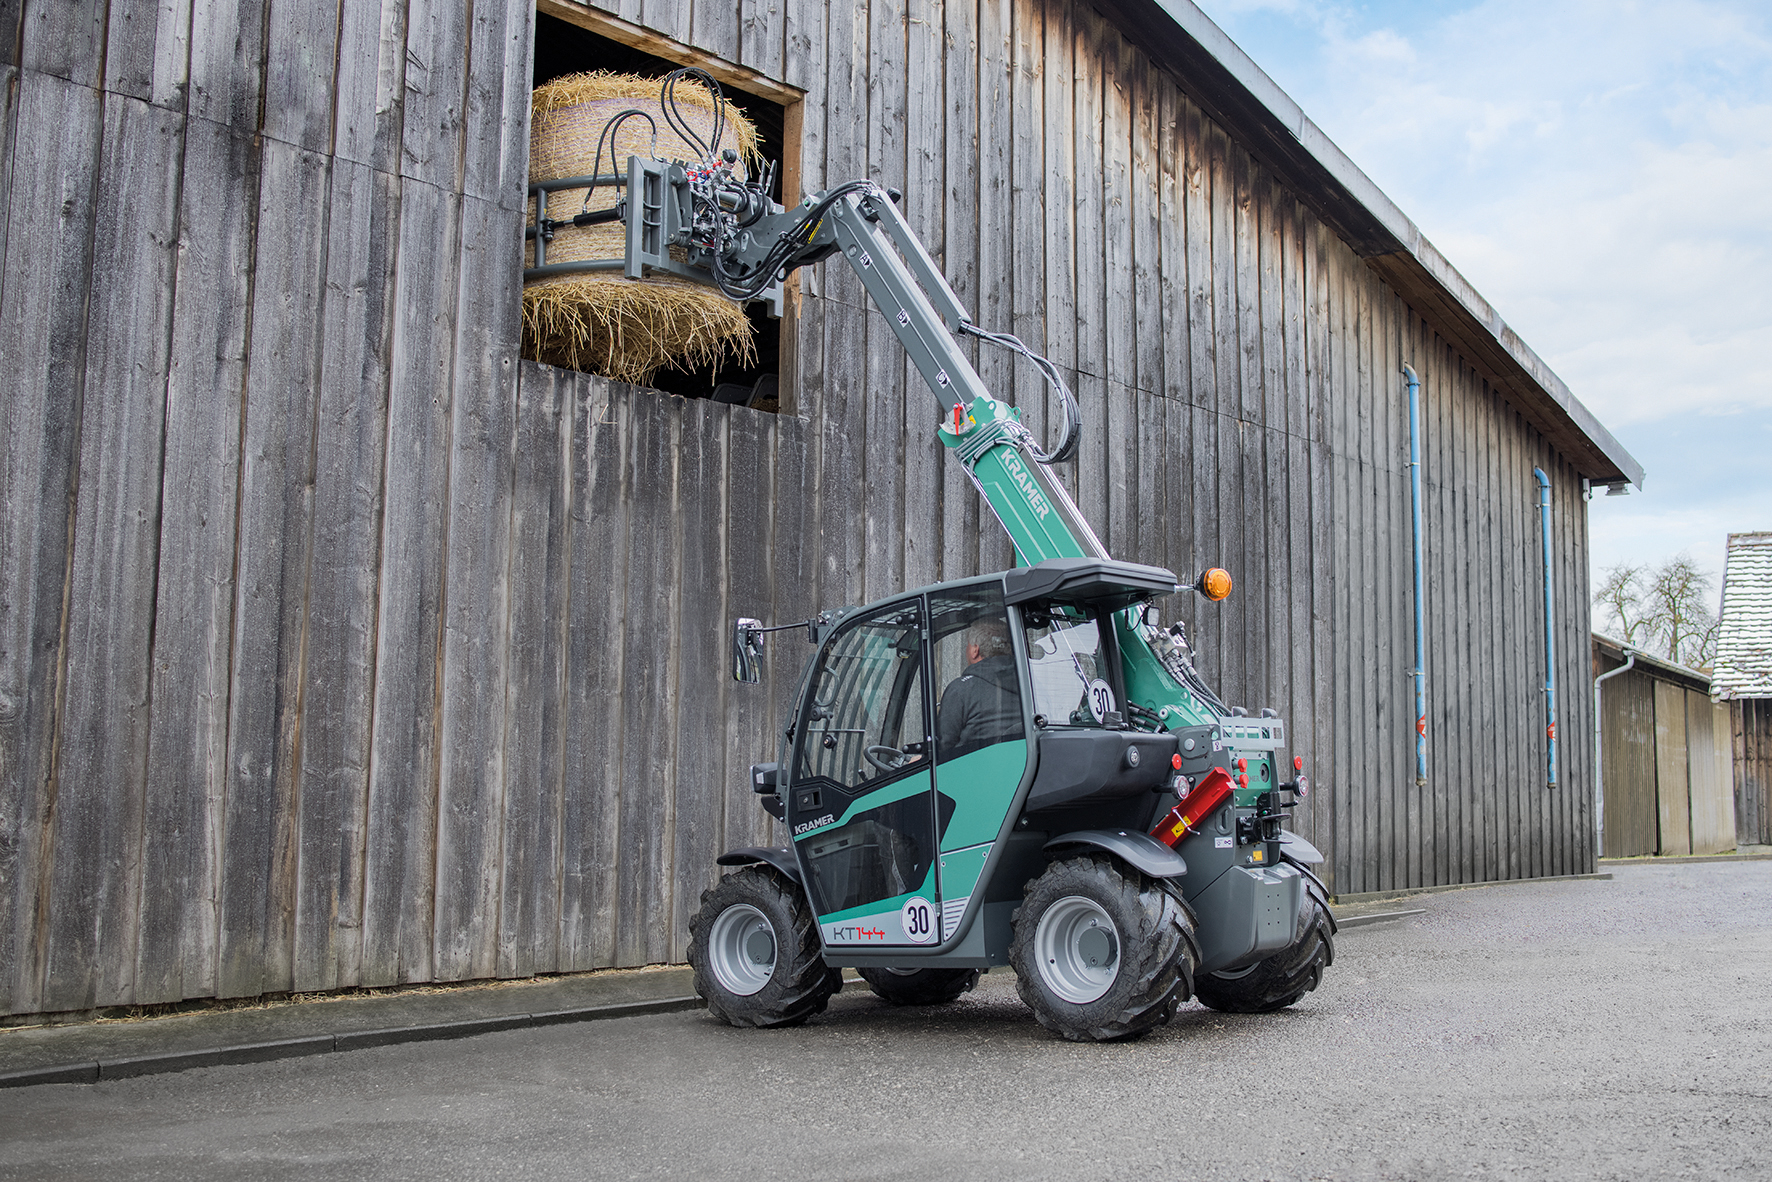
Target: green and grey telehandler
x,y
1021,768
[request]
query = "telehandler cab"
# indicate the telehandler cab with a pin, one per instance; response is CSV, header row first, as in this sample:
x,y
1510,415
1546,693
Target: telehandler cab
x,y
1021,768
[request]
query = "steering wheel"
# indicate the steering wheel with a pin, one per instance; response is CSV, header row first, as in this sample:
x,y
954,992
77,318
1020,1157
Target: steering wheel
x,y
887,759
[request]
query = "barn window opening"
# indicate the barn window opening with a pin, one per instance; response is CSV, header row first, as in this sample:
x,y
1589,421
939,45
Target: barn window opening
x,y
564,49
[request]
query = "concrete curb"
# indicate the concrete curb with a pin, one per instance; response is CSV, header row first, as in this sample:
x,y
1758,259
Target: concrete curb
x,y
1379,896
95,1071
1360,921
1682,859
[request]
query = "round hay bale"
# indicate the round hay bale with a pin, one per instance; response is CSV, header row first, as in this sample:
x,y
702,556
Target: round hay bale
x,y
602,322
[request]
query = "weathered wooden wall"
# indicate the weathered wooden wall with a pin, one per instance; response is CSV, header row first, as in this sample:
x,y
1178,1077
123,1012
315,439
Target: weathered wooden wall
x,y
1665,762
1628,765
338,647
1750,722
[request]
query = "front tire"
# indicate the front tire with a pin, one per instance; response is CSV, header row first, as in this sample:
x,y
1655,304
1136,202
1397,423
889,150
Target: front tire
x,y
1281,979
920,987
755,951
1100,951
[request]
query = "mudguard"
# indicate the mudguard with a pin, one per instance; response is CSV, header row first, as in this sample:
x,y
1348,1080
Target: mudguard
x,y
1297,849
1141,851
782,859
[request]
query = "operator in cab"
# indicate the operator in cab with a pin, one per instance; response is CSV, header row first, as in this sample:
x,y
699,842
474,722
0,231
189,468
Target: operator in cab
x,y
982,706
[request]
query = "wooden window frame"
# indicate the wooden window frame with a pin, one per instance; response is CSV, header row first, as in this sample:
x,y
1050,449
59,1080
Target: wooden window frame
x,y
790,99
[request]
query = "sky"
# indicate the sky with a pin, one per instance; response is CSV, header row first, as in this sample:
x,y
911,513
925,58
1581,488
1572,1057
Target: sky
x,y
1602,173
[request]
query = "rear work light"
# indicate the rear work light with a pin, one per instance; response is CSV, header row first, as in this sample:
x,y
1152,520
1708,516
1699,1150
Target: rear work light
x,y
1213,790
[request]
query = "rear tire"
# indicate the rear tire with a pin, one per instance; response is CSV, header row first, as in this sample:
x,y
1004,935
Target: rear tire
x,y
755,950
1100,951
920,987
1281,979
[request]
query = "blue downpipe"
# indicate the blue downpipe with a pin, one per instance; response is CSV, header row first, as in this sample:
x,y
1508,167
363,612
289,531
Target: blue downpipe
x,y
1420,612
1550,635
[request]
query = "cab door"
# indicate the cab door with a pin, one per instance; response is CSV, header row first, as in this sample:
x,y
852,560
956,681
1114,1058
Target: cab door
x,y
981,748
861,804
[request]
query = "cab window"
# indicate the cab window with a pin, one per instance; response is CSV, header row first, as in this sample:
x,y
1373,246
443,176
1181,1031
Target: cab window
x,y
1067,669
975,666
864,718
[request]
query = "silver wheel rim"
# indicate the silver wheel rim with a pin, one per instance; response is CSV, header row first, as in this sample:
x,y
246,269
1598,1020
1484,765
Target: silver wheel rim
x,y
1079,949
741,950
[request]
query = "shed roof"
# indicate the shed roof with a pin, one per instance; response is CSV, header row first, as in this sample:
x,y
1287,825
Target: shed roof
x,y
1258,114
1615,651
1743,667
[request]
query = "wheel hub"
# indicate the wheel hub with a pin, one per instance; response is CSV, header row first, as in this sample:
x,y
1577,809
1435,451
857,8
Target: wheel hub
x,y
741,950
1079,949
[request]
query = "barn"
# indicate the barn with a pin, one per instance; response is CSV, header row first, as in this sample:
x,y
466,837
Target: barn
x,y
341,646
1743,678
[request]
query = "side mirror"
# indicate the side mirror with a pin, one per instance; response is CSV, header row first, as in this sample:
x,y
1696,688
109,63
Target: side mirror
x,y
747,650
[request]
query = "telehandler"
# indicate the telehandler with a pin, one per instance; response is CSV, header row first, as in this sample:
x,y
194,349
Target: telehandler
x,y
1022,768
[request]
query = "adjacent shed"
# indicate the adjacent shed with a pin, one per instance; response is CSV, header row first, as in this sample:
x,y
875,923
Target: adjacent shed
x,y
341,647
1664,756
1743,677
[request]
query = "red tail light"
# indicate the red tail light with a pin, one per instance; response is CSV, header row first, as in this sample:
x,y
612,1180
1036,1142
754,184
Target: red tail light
x,y
1212,790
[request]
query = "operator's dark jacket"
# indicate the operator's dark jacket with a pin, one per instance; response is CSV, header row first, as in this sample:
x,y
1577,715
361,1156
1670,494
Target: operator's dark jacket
x,y
980,707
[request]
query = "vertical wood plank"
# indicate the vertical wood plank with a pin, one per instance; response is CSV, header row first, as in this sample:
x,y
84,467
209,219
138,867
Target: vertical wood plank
x,y
1320,394
670,17
1058,199
261,822
535,693
65,41
43,344
1090,310
339,672
890,420
96,884
1116,517
371,83
961,522
399,896
699,620
227,61
476,647
643,801
595,736
495,166
924,457
188,720
753,562
1026,220
803,59
301,64
714,26
841,404
147,49
434,123
1673,799
1169,300
761,40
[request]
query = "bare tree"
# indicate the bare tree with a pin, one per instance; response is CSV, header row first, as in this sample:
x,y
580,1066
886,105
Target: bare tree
x,y
1663,610
1619,596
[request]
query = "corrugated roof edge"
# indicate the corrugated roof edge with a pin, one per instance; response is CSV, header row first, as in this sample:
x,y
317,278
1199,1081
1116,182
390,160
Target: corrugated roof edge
x,y
1236,93
1614,649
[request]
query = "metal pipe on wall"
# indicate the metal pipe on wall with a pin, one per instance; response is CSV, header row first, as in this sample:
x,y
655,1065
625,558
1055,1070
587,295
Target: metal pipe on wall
x,y
1550,635
1599,780
1420,611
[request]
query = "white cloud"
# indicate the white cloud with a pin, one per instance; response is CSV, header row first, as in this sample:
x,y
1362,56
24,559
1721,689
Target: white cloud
x,y
1602,173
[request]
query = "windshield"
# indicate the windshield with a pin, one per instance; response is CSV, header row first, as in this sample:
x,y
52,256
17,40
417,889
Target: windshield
x,y
1066,669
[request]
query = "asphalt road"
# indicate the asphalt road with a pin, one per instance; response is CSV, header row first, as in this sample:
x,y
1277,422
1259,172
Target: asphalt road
x,y
1560,1030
